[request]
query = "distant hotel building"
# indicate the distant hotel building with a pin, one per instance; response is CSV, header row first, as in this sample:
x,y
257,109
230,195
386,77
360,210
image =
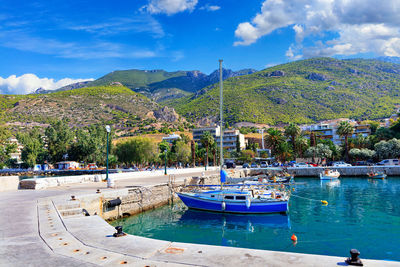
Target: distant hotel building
x,y
328,130
229,138
171,138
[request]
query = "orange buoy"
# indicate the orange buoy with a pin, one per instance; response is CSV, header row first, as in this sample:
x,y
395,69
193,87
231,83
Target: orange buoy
x,y
294,238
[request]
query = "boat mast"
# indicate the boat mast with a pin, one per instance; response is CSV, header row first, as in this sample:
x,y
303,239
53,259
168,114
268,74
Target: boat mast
x,y
220,116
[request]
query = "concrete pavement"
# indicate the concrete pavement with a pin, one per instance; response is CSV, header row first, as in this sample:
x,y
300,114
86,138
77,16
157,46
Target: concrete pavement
x,y
33,233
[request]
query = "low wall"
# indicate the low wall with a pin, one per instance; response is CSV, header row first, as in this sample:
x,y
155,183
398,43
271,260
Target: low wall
x,y
42,183
9,183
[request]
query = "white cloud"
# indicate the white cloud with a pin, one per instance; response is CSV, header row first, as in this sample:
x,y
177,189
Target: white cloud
x,y
28,83
169,7
82,50
336,27
210,7
143,23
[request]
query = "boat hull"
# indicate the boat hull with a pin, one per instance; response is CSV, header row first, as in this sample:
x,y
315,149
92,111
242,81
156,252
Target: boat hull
x,y
233,207
378,176
329,177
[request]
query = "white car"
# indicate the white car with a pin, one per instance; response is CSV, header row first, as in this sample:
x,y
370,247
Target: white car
x,y
341,164
301,165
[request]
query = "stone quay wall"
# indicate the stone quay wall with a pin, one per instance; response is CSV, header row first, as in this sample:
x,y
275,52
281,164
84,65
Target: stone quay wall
x,y
134,200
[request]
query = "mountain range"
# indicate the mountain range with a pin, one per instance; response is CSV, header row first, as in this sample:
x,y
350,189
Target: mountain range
x,y
303,91
158,85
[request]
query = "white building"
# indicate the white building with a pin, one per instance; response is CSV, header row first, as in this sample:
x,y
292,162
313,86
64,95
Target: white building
x,y
328,130
230,137
171,138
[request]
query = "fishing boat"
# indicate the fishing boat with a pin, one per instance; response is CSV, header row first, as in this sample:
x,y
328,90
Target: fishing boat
x,y
328,174
246,201
377,175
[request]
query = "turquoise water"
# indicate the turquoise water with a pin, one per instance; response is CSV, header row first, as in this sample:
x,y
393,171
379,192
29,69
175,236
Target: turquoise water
x,y
362,214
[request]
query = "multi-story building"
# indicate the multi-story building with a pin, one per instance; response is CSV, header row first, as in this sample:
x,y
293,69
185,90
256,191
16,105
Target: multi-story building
x,y
230,137
328,130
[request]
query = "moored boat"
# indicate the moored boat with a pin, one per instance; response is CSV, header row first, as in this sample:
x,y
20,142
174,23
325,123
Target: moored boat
x,y
377,175
328,174
246,201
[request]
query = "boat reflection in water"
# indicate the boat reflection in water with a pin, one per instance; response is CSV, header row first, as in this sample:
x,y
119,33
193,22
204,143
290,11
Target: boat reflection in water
x,y
235,221
330,183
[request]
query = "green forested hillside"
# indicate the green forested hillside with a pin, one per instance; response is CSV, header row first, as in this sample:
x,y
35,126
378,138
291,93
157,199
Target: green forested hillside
x,y
115,105
302,92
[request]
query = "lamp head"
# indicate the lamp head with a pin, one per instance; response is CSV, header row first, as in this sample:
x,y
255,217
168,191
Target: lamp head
x,y
108,128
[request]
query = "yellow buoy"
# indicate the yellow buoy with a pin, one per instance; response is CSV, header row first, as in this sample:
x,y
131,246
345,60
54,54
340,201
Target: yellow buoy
x,y
324,202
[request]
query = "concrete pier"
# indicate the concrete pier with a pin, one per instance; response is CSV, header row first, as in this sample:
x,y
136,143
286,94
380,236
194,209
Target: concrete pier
x,y
47,228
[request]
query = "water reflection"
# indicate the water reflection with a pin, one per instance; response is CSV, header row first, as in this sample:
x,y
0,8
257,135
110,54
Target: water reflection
x,y
236,221
330,183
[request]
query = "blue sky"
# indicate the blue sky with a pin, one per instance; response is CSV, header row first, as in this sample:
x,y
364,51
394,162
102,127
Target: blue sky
x,y
52,43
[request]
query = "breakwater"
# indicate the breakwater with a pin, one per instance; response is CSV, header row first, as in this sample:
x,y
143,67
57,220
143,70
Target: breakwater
x,y
345,171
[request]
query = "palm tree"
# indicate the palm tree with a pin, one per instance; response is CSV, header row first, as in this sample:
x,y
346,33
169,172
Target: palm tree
x,y
292,131
206,140
302,144
273,138
345,129
193,147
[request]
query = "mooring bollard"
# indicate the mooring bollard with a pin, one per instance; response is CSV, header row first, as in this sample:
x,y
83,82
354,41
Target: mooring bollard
x,y
354,259
119,231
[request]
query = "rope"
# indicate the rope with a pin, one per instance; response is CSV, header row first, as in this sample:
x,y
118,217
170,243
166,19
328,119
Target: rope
x,y
324,202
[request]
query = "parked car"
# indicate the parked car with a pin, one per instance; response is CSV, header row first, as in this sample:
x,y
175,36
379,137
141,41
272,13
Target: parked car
x,y
389,162
263,164
364,163
341,164
276,164
230,165
254,165
246,165
310,164
301,165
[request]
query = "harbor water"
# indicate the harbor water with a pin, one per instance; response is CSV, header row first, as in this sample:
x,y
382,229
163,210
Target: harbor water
x,y
362,213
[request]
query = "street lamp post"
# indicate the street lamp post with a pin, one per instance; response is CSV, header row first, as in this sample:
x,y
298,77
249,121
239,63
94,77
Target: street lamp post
x,y
165,156
205,164
108,129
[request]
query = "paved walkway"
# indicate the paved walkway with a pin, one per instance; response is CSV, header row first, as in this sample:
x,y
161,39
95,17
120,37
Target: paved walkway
x,y
32,233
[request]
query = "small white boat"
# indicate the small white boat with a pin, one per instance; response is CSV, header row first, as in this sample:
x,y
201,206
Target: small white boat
x,y
328,174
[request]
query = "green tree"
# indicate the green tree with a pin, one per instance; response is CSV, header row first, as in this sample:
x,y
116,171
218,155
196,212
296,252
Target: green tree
x,y
345,129
33,151
59,139
138,150
6,147
247,155
182,151
388,149
273,139
207,140
292,131
302,145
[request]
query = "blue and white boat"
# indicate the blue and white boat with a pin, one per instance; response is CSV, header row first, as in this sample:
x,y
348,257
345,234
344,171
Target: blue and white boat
x,y
328,174
245,201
